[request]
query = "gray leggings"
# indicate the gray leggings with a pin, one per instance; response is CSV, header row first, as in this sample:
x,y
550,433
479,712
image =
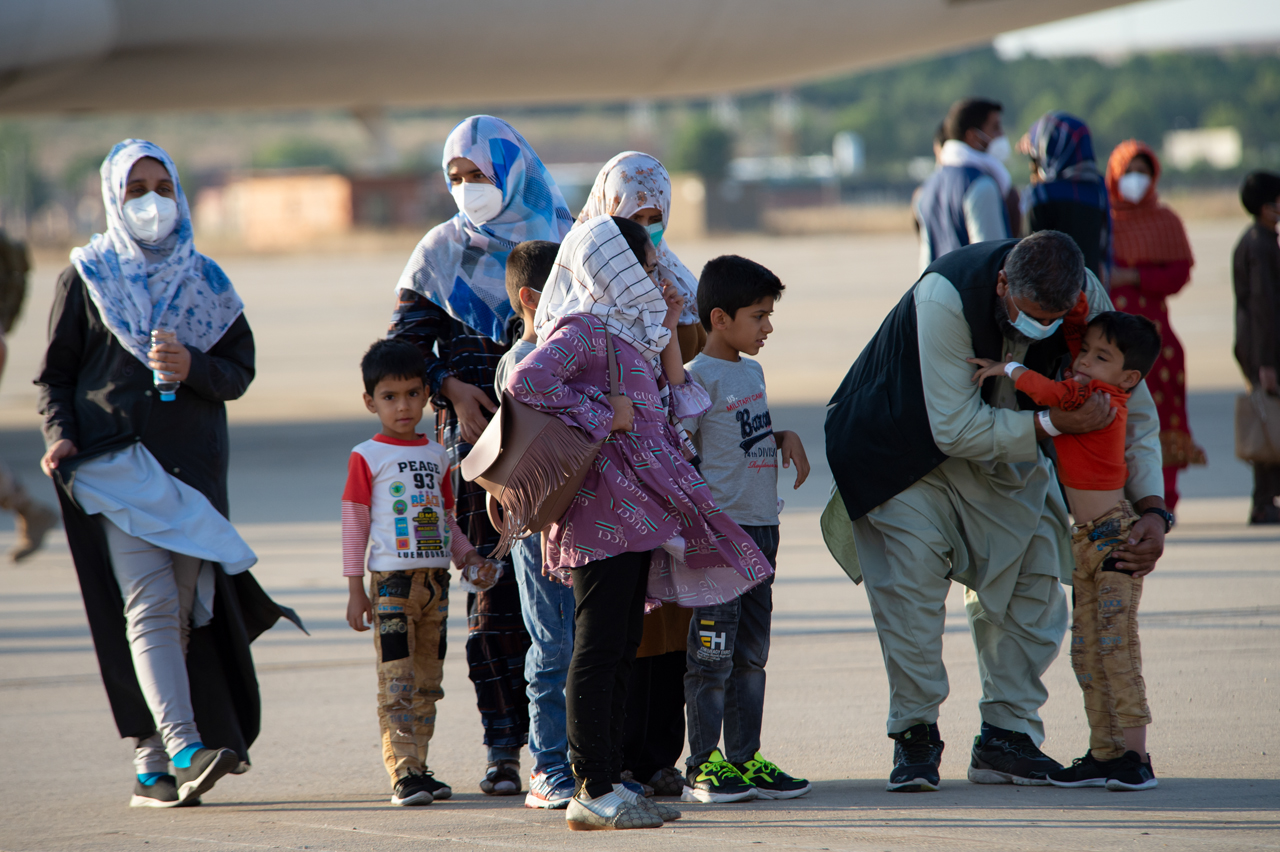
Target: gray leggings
x,y
159,589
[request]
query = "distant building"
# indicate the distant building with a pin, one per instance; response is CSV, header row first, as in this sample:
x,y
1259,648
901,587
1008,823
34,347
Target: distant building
x,y
287,209
1220,147
276,210
400,201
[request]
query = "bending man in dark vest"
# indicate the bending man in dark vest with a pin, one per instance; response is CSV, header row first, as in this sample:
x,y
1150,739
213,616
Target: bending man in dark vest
x,y
945,480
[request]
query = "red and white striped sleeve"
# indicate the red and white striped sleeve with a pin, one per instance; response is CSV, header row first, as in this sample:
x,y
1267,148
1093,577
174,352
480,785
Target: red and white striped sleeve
x,y
459,544
356,518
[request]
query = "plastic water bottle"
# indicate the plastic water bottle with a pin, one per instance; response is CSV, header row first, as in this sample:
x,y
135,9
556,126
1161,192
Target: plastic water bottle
x,y
168,389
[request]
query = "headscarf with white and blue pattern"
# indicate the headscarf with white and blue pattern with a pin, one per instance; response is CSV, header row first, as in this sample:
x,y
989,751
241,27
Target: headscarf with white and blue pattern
x,y
461,267
137,287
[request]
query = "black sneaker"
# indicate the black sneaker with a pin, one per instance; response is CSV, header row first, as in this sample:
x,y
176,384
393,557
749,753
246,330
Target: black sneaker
x,y
1129,772
1009,757
716,781
410,790
501,779
917,754
1085,771
771,781
162,794
207,766
438,789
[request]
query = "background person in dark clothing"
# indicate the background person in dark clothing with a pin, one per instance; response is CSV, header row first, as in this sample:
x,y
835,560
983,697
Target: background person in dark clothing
x,y
970,197
1255,272
1067,192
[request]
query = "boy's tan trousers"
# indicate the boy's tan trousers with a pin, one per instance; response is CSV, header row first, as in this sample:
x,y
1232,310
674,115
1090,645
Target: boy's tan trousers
x,y
410,609
1105,652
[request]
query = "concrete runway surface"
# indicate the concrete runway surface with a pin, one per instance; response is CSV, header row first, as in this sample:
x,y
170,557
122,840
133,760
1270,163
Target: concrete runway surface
x,y
1210,622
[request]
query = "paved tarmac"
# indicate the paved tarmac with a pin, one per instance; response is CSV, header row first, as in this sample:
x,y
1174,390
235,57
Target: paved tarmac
x,y
1211,631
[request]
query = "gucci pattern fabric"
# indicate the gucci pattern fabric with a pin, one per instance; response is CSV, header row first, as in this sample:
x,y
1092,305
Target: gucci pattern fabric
x,y
1105,653
640,492
138,287
461,266
632,182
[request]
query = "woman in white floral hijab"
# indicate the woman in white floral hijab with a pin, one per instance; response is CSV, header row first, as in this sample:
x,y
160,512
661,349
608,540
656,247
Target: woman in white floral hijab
x,y
636,186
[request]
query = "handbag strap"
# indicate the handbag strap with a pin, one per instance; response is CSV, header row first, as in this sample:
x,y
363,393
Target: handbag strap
x,y
613,363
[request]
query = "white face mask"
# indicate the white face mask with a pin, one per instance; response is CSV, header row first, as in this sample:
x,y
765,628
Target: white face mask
x,y
1134,185
151,218
479,202
1000,148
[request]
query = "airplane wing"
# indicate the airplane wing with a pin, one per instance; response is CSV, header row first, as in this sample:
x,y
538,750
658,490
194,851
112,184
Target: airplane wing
x,y
137,55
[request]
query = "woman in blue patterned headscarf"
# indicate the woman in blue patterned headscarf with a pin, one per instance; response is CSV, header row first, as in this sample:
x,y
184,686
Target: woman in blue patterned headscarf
x,y
142,479
453,306
142,279
1067,192
510,197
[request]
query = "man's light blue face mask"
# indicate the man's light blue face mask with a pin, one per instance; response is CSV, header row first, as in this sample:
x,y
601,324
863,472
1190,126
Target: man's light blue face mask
x,y
1031,328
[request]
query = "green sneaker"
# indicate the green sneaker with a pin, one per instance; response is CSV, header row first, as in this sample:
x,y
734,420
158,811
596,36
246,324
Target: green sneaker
x,y
717,781
771,781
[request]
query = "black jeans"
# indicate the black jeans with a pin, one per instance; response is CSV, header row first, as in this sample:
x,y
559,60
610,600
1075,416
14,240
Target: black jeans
x,y
608,620
728,650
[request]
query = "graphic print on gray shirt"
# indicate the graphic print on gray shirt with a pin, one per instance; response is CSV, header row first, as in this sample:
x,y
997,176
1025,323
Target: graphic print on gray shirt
x,y
517,353
735,439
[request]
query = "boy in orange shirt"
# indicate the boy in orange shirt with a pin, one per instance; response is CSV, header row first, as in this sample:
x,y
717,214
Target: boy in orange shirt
x,y
1115,354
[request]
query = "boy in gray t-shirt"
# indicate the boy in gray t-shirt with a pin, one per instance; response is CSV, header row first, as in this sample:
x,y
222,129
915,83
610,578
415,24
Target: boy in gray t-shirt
x,y
729,643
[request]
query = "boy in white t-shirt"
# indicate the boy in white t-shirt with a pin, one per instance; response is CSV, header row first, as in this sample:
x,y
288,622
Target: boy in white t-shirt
x,y
729,643
398,504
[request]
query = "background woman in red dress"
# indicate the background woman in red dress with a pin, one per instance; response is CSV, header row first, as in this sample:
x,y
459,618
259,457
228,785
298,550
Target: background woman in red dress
x,y
1153,262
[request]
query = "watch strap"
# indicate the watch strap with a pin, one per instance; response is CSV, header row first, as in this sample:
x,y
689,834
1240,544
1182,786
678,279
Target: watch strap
x,y
1164,514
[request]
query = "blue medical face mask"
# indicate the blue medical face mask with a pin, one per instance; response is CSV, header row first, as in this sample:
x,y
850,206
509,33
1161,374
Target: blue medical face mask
x,y
1032,329
655,233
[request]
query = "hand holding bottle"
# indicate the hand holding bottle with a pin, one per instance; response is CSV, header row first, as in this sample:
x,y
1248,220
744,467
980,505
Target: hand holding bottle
x,y
169,360
480,574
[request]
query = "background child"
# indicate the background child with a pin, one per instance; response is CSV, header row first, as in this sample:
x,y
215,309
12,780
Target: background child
x,y
1117,351
729,642
398,497
547,606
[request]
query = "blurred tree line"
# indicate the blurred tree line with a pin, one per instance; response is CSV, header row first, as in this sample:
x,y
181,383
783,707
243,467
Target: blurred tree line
x,y
896,110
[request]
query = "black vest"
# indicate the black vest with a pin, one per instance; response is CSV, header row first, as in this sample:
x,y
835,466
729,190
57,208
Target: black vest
x,y
879,441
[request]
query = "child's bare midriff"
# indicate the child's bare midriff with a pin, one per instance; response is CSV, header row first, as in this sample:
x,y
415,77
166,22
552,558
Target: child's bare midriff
x,y
1090,505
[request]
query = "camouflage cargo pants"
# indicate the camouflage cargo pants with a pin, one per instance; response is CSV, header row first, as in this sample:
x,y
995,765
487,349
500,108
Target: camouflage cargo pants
x,y
410,609
1105,652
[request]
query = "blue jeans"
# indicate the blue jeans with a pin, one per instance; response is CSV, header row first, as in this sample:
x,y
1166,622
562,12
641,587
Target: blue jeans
x,y
728,649
547,607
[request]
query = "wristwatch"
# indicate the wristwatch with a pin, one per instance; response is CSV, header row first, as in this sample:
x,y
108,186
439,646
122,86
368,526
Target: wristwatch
x,y
1167,517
